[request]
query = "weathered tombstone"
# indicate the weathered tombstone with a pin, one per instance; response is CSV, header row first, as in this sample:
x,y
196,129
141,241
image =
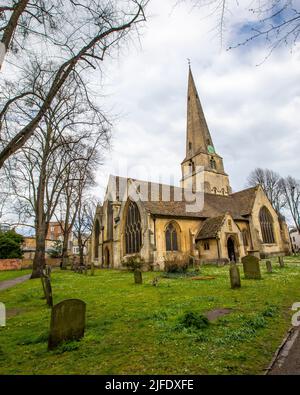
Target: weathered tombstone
x,y
281,262
269,267
67,322
235,278
2,315
47,290
251,267
138,278
92,269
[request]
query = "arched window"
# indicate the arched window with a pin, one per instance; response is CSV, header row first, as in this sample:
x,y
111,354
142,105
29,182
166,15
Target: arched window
x,y
133,229
213,164
110,220
171,238
266,224
97,239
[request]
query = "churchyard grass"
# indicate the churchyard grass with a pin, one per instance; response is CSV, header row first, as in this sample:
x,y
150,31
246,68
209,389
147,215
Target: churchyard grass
x,y
10,275
135,329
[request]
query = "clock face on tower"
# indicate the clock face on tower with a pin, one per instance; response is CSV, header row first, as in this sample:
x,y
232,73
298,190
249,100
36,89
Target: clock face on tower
x,y
211,149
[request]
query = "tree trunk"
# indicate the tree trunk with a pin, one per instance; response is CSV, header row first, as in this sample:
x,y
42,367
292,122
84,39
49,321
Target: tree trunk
x,y
65,256
81,249
39,261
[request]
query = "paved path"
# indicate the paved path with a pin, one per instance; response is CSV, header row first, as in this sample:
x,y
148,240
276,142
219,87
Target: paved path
x,y
11,283
287,359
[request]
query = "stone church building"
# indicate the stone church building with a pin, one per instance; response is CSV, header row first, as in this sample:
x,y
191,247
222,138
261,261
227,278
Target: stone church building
x,y
201,220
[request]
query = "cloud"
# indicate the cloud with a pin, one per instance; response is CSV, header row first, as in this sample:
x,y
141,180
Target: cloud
x,y
252,112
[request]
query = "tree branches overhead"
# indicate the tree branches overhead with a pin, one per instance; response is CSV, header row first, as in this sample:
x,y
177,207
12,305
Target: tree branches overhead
x,y
60,41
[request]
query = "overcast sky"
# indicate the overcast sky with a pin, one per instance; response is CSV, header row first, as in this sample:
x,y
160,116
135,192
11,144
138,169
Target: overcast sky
x,y
252,111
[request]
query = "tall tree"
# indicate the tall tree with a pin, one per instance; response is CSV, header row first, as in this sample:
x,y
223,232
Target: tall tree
x,y
291,190
83,224
71,130
270,182
88,32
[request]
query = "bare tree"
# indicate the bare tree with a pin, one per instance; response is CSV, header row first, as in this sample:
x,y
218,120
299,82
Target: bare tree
x,y
270,182
80,177
72,131
291,189
88,33
83,224
275,21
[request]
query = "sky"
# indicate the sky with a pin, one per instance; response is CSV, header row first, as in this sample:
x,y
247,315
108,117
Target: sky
x,y
251,105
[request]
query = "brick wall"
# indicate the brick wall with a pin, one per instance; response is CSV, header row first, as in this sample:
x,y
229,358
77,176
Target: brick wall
x,y
10,264
18,264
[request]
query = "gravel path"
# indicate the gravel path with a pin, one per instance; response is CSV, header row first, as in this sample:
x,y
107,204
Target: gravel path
x,y
11,283
287,359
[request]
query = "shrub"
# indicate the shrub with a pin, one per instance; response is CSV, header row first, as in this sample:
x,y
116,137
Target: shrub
x,y
193,320
176,264
10,245
133,262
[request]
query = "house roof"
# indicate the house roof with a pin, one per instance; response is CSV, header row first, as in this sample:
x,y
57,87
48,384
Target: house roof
x,y
210,228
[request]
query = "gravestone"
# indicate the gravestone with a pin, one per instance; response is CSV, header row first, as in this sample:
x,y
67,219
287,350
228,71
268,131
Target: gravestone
x,y
2,315
92,269
47,289
269,267
281,261
235,278
138,277
251,267
67,322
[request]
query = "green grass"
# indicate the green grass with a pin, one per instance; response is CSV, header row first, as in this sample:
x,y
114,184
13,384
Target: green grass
x,y
10,275
135,329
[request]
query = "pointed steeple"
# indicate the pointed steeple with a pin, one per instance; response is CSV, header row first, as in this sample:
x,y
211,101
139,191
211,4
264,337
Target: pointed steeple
x,y
200,150
198,135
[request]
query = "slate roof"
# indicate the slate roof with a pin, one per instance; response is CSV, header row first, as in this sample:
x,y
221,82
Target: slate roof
x,y
239,204
210,228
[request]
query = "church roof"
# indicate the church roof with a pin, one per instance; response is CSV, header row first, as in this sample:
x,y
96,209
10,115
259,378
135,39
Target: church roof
x,y
238,204
210,228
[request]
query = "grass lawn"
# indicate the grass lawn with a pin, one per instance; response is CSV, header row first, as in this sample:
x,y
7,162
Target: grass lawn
x,y
133,329
10,275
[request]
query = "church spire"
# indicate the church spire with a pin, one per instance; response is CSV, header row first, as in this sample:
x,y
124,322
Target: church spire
x,y
198,135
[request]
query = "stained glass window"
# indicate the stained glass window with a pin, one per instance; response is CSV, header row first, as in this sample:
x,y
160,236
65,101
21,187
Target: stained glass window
x,y
171,238
266,224
133,229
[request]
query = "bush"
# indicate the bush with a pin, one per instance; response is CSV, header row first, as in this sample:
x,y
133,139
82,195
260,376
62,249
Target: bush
x,y
194,320
176,264
11,245
133,263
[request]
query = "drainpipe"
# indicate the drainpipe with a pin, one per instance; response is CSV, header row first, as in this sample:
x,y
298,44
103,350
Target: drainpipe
x,y
102,248
218,245
154,221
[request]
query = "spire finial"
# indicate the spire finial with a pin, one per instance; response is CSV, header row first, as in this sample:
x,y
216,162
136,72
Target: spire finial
x,y
189,62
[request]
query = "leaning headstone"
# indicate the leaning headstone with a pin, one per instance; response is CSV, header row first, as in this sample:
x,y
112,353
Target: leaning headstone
x,y
281,261
46,282
67,322
269,267
235,278
138,277
251,267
